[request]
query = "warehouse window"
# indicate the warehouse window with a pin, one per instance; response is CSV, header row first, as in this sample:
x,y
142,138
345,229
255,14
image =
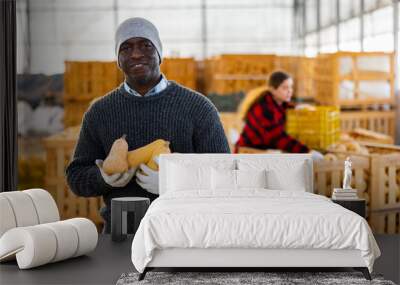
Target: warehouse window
x,y
350,35
311,12
379,30
328,12
349,9
311,45
328,40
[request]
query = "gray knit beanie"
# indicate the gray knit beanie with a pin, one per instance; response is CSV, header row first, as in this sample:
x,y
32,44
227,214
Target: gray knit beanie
x,y
137,28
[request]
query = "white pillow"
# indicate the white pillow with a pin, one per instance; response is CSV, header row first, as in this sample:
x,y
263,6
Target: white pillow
x,y
251,178
278,180
183,177
226,179
223,179
281,174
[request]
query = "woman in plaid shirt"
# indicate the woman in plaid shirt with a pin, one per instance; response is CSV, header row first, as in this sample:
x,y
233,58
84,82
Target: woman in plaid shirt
x,y
265,117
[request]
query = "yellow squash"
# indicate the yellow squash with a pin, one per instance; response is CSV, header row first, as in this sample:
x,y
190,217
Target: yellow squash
x,y
146,154
116,161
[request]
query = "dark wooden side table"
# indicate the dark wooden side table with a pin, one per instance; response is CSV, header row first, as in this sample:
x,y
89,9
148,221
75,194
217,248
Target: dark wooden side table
x,y
119,215
357,206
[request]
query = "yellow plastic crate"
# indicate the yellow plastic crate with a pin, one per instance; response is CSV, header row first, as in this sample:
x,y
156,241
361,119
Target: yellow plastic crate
x,y
317,128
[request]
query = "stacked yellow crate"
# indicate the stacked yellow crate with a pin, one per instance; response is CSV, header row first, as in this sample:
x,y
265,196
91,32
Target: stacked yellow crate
x,y
318,127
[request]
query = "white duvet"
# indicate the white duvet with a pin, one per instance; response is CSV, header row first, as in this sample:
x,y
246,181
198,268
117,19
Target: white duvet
x,y
250,219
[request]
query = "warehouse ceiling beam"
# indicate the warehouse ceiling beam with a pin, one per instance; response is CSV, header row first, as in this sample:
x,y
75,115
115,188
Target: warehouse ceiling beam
x,y
297,39
338,25
362,31
164,7
204,38
304,24
318,26
343,20
28,62
116,16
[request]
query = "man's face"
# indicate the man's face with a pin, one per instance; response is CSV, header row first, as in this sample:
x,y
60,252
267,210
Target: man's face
x,y
139,60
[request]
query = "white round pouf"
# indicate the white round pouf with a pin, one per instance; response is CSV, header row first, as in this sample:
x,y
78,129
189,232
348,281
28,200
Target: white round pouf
x,y
23,208
67,240
7,216
87,234
45,205
33,246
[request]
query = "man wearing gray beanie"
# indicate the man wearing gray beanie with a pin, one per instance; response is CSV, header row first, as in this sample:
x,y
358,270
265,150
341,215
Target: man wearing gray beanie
x,y
145,107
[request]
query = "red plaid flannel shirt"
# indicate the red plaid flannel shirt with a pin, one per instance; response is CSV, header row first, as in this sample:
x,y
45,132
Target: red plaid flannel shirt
x,y
265,127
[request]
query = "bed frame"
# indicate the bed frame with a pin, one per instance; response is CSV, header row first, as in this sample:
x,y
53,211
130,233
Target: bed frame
x,y
246,258
242,259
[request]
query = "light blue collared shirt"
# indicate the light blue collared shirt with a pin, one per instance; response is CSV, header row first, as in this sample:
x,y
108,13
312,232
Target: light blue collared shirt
x,y
153,91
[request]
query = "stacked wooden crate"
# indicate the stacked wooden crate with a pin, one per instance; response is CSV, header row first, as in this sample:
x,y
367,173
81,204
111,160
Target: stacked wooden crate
x,y
379,121
181,70
383,179
84,81
31,163
385,194
233,73
362,82
59,149
350,79
302,71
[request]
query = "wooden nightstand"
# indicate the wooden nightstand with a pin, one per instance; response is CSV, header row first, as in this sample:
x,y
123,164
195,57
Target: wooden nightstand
x,y
357,206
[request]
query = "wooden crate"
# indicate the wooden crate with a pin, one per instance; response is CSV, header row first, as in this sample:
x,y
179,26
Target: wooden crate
x,y
59,150
302,71
86,80
344,78
31,163
379,148
74,111
385,181
364,135
233,73
329,175
378,121
181,70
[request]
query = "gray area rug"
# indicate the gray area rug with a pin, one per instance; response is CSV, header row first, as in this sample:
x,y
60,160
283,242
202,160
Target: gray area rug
x,y
228,278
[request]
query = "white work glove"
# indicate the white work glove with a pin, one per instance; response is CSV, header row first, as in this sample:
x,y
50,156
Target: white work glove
x,y
117,179
147,178
316,155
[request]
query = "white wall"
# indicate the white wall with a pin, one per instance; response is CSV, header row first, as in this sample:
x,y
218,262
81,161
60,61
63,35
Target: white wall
x,y
84,29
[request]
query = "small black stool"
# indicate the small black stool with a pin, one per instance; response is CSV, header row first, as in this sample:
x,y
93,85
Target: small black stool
x,y
119,215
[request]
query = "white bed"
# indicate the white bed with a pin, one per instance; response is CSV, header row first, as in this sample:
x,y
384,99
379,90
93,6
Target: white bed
x,y
224,226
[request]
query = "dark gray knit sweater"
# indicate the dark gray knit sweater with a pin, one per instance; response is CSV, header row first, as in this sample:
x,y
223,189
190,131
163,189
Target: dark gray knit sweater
x,y
188,120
